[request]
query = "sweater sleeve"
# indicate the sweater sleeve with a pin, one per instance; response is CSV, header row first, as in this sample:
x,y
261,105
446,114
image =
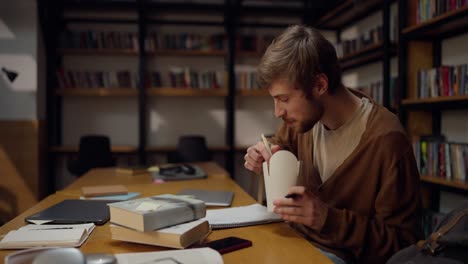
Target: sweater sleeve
x,y
395,223
285,138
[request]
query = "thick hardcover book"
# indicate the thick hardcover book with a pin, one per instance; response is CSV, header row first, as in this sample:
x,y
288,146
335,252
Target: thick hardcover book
x,y
178,236
156,212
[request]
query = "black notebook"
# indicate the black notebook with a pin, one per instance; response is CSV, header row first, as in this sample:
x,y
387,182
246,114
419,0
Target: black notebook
x,y
74,212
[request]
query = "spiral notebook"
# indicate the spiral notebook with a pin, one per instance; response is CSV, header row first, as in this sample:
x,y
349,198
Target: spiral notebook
x,y
254,214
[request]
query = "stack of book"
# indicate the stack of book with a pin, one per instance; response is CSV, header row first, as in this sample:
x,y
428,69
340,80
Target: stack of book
x,y
366,39
442,81
163,220
96,79
92,39
439,158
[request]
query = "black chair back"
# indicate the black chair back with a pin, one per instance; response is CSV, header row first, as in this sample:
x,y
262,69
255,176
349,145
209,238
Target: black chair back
x,y
94,152
190,149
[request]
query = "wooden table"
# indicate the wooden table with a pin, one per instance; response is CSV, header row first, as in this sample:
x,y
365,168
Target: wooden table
x,y
272,243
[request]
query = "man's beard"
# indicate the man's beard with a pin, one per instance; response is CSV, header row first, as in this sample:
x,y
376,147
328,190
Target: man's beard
x,y
308,124
316,115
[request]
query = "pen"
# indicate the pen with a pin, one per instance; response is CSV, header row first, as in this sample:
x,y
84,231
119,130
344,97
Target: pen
x,y
293,196
267,145
52,228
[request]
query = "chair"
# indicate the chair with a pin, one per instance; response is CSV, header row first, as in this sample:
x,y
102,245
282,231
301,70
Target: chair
x,y
15,194
94,152
190,149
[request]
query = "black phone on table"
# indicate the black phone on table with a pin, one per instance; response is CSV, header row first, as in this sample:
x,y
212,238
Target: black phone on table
x,y
228,244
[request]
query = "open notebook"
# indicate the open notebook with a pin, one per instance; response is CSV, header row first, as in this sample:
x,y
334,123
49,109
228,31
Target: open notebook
x,y
254,214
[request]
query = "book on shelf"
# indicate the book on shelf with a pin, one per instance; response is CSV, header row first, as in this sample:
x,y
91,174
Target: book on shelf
x,y
97,79
156,212
366,39
430,220
442,81
103,190
375,91
177,236
185,41
437,158
427,10
190,78
246,77
253,43
153,80
92,39
47,235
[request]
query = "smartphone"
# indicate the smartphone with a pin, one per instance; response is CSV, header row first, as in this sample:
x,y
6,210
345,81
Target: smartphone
x,y
228,244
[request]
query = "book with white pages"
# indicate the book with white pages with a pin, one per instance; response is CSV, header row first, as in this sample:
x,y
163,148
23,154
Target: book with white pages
x,y
186,256
178,236
254,214
47,235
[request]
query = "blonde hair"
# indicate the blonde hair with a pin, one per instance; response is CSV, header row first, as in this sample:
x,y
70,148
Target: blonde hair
x,y
297,56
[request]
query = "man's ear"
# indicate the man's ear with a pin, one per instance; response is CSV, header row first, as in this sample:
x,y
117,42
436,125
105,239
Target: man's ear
x,y
321,84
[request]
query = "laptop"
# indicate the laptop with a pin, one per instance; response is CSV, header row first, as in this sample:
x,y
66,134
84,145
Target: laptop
x,y
211,198
73,212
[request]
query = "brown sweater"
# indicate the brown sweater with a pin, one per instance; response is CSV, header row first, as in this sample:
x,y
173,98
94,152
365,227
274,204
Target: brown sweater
x,y
373,197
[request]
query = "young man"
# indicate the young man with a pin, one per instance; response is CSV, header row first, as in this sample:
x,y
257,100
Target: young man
x,y
359,185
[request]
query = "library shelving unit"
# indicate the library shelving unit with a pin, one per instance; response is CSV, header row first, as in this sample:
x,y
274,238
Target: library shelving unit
x,y
55,16
421,49
346,14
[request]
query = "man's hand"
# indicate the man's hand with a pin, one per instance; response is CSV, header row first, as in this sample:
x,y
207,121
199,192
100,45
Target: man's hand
x,y
256,155
305,209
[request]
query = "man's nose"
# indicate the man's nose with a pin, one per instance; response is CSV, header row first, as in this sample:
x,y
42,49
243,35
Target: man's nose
x,y
279,111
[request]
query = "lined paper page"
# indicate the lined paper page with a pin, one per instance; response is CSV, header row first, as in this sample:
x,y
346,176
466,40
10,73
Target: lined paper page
x,y
254,214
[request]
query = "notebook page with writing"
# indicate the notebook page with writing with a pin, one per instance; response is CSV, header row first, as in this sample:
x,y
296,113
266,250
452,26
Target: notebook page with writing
x,y
254,214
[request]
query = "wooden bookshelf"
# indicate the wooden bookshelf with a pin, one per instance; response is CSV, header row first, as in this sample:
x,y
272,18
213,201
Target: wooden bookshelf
x,y
74,149
435,100
451,23
249,54
166,149
98,52
182,91
253,92
449,183
366,55
347,13
97,92
421,49
176,52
